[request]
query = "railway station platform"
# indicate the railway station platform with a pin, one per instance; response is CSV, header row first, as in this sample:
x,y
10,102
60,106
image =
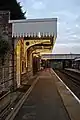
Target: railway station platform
x,y
73,70
44,102
48,98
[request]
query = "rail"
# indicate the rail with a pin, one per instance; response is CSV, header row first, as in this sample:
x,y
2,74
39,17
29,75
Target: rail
x,y
71,80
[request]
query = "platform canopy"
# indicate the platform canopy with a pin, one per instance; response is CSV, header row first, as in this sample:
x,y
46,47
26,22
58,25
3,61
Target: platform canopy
x,y
34,27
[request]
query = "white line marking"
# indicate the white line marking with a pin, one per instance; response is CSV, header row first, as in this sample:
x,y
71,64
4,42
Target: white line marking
x,y
67,88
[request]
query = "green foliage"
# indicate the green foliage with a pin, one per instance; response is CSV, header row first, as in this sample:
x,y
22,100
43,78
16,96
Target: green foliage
x,y
14,7
4,48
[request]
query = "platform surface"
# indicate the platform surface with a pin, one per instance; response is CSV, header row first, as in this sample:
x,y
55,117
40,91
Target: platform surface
x,y
44,102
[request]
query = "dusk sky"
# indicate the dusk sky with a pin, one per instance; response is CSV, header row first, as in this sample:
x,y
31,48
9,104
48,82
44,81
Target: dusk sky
x,y
68,14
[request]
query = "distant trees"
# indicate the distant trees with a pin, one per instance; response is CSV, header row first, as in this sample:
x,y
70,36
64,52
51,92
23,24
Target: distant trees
x,y
14,7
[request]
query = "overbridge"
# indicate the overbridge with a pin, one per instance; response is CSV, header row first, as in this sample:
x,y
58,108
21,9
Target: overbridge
x,y
60,56
60,61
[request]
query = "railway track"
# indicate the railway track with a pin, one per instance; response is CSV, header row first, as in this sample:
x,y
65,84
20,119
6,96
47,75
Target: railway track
x,y
71,79
5,112
25,87
9,108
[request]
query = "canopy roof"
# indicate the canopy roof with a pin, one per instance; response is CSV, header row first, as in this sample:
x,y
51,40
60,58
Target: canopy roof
x,y
34,27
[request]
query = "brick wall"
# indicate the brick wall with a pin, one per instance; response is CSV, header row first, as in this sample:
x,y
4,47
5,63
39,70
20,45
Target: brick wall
x,y
6,32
